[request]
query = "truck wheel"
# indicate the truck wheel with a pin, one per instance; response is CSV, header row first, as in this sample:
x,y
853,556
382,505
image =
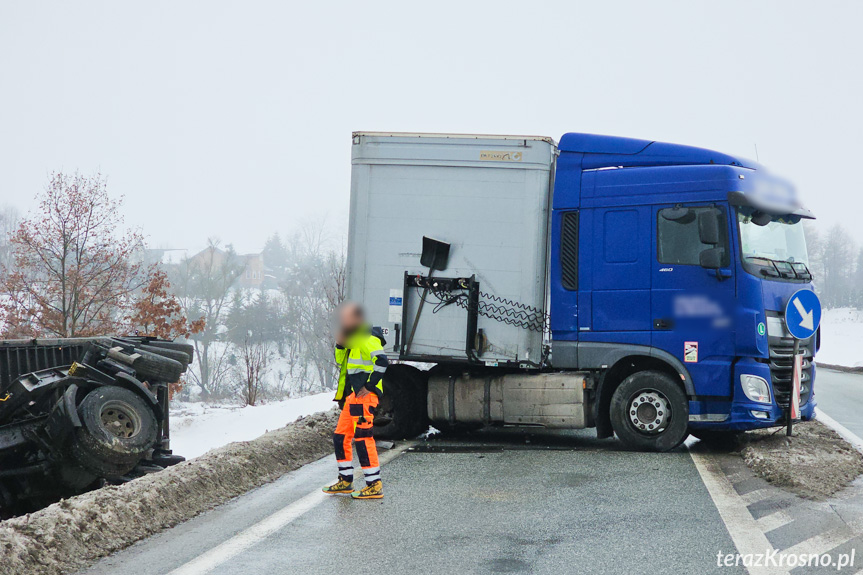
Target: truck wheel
x,y
401,413
117,430
650,412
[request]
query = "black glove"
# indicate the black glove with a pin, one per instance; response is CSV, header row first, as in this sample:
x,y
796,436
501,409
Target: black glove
x,y
341,403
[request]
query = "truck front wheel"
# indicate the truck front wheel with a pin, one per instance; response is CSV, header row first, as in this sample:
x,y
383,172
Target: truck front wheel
x,y
650,412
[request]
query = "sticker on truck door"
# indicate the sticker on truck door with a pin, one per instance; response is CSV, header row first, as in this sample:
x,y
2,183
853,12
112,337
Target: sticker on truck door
x,y
690,351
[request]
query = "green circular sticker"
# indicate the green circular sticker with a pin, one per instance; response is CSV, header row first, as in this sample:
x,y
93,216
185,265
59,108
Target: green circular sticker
x,y
761,328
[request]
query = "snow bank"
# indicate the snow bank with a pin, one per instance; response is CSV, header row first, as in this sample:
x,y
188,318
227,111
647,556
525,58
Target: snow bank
x,y
815,463
842,337
196,428
73,533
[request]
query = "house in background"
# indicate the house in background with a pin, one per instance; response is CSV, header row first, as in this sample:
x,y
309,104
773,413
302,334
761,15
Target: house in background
x,y
250,276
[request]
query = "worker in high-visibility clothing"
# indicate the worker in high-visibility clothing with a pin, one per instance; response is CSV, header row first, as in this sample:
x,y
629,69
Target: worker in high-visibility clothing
x,y
362,364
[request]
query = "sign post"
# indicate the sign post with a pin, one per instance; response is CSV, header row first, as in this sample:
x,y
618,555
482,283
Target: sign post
x,y
802,318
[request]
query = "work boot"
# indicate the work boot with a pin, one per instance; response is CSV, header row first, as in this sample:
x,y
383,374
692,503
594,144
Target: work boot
x,y
374,490
343,485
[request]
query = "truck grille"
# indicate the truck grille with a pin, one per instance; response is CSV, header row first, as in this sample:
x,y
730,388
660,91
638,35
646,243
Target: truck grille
x,y
781,349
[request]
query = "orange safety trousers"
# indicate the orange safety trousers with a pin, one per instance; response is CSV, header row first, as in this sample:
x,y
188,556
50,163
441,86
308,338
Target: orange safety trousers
x,y
355,423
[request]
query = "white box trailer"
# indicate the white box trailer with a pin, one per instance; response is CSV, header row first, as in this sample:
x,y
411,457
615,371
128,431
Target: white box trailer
x,y
488,197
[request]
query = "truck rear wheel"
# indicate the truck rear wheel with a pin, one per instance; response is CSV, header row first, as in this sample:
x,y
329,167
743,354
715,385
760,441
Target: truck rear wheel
x,y
117,430
401,413
650,412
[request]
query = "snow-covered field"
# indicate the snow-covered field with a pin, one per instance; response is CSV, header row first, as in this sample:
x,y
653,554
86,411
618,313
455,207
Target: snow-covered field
x,y
842,337
198,427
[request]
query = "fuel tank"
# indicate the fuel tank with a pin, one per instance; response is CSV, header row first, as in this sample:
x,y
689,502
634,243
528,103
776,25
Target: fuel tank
x,y
552,400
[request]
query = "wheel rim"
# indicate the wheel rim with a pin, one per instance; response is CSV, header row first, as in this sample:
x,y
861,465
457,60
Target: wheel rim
x,y
120,419
649,412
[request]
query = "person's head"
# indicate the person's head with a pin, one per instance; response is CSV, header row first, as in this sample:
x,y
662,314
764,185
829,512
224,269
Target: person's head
x,y
351,317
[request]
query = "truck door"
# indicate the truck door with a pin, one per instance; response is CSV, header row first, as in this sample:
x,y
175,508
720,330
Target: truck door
x,y
621,259
690,304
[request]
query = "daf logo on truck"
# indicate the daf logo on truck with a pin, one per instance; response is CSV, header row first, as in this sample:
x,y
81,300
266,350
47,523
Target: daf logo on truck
x,y
549,303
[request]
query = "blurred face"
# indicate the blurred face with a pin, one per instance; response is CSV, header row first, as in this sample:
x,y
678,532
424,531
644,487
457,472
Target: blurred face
x,y
350,318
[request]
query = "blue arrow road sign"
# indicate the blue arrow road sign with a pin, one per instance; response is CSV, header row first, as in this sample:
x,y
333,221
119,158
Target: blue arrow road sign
x,y
803,313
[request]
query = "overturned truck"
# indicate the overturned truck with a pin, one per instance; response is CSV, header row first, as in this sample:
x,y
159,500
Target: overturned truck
x,y
77,413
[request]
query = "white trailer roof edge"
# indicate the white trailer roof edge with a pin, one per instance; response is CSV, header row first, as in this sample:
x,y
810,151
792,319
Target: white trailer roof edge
x,y
461,136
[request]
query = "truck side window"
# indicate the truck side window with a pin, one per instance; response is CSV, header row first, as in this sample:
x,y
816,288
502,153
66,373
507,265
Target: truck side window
x,y
569,250
677,237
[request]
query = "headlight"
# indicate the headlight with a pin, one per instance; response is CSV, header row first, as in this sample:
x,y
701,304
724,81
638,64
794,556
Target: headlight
x,y
755,388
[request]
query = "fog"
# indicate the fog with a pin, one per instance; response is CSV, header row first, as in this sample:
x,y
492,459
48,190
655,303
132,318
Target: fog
x,y
233,119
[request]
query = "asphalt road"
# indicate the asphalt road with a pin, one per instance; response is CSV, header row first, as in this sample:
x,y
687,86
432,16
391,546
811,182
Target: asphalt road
x,y
840,395
501,503
510,504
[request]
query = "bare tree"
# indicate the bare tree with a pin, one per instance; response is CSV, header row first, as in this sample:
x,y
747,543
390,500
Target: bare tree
x,y
8,224
314,286
254,355
74,269
203,283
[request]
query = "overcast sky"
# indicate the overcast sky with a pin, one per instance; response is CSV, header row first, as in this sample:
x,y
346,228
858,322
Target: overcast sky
x,y
233,119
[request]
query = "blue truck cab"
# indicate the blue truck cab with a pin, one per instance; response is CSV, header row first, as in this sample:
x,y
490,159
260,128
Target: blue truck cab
x,y
628,285
680,260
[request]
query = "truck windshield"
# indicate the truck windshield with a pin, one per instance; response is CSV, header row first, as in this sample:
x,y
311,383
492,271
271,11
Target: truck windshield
x,y
773,245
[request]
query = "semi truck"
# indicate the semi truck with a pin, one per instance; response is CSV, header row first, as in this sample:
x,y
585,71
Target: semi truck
x,y
77,413
629,285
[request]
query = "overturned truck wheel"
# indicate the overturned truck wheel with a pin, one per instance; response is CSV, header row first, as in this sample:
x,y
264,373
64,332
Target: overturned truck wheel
x,y
118,428
401,413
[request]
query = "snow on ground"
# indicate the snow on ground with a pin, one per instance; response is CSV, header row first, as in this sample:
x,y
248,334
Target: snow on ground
x,y
842,337
198,427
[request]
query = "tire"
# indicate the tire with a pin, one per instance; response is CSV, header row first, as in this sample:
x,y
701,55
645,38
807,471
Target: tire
x,y
156,367
185,348
117,430
647,397
179,356
401,413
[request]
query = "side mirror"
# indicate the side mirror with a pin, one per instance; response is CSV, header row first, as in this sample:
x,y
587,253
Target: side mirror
x,y
708,227
711,258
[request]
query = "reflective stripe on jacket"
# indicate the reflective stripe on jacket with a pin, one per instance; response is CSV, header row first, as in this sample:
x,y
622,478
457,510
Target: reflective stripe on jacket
x,y
362,363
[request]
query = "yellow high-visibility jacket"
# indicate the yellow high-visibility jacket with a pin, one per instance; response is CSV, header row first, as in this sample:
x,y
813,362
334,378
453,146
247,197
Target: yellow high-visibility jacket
x,y
362,363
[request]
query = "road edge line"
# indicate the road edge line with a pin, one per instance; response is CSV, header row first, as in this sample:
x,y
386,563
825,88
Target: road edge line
x,y
254,534
744,531
843,431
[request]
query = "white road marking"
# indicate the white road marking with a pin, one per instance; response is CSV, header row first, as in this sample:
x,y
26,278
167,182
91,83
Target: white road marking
x,y
757,495
774,521
822,543
223,552
744,531
843,431
234,546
